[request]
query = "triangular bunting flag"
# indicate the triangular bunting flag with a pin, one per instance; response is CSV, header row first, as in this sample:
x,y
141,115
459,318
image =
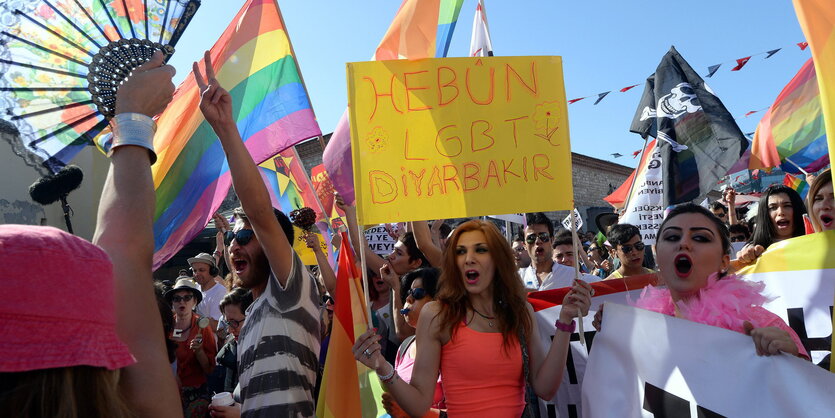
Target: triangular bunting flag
x,y
750,113
740,63
772,52
627,88
712,70
803,45
636,153
575,100
601,96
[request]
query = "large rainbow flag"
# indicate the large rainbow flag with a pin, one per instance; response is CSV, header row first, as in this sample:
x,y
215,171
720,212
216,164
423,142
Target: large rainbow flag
x,y
349,389
793,128
420,29
253,60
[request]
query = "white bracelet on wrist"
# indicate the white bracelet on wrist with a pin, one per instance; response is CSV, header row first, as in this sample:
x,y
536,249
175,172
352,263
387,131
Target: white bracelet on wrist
x,y
132,129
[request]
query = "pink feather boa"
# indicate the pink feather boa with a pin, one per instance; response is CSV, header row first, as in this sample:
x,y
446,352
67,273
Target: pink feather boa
x,y
725,302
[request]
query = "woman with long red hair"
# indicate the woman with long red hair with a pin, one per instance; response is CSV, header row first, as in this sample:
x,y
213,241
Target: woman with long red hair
x,y
479,334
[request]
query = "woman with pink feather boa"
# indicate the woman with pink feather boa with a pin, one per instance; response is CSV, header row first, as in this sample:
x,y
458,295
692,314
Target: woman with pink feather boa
x,y
693,258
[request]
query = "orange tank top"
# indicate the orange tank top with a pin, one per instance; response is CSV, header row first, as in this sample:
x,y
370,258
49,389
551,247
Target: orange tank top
x,y
480,378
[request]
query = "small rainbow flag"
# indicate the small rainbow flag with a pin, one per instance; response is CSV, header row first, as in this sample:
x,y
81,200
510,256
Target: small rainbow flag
x,y
793,128
253,60
349,389
797,184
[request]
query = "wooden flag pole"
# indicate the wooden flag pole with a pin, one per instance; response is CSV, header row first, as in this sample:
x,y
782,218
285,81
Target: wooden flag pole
x,y
576,241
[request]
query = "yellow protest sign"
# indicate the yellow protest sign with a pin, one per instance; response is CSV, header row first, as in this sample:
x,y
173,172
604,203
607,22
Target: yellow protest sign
x,y
458,137
300,245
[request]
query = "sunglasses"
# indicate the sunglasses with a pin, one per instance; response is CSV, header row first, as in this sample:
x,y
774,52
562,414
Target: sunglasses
x,y
327,299
639,246
417,293
737,238
543,236
186,298
233,323
242,237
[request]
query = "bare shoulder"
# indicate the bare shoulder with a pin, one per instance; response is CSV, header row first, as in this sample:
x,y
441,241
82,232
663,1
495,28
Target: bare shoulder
x,y
429,323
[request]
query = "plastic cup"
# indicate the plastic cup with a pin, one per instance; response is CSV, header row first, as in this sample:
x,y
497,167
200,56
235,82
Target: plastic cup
x,y
223,399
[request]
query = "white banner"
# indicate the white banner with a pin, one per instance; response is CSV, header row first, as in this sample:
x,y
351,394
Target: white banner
x,y
578,221
517,218
646,205
645,364
380,240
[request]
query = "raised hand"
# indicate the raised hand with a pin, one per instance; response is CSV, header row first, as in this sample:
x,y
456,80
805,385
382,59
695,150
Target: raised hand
x,y
134,95
389,276
576,302
312,241
215,101
367,351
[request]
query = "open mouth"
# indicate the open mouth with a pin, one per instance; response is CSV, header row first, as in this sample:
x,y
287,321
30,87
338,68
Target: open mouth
x,y
783,223
472,276
826,220
684,265
239,265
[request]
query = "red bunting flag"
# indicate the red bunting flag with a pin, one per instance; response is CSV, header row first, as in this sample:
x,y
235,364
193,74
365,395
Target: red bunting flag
x,y
750,113
740,63
627,88
575,100
803,45
636,153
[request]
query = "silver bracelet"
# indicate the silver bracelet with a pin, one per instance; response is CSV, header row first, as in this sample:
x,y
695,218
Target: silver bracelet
x,y
132,129
389,377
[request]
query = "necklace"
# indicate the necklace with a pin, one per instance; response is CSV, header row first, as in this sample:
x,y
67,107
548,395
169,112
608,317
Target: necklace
x,y
488,318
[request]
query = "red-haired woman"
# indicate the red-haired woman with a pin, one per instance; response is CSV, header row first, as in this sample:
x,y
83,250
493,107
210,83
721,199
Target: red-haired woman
x,y
472,335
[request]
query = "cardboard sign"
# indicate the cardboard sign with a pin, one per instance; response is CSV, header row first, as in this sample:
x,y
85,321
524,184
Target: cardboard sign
x,y
458,137
578,221
379,240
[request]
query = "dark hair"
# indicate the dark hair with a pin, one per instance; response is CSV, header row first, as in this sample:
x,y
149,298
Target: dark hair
x,y
372,291
240,296
445,230
429,277
564,237
619,234
518,237
691,208
740,228
539,218
764,232
283,220
718,205
408,240
164,307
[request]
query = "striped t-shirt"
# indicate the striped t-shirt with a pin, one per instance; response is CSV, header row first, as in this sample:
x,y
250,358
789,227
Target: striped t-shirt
x,y
278,348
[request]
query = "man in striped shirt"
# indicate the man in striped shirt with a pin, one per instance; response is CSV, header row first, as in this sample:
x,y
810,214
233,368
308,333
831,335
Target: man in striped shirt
x,y
278,347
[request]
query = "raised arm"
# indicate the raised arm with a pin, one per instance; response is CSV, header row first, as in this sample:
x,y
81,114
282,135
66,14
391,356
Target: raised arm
x,y
423,238
325,269
124,229
730,198
216,105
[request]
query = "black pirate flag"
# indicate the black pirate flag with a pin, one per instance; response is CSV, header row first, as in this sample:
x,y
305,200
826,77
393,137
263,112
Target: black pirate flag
x,y
699,139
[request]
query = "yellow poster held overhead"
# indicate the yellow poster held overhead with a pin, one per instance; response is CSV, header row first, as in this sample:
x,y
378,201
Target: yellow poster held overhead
x,y
458,137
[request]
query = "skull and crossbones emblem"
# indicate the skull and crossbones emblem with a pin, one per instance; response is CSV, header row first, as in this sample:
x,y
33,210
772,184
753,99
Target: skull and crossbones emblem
x,y
681,99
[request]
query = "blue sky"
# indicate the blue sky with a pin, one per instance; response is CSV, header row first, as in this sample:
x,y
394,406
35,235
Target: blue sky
x,y
605,45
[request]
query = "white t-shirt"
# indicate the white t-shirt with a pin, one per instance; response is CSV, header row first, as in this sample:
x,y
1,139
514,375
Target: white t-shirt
x,y
210,305
560,276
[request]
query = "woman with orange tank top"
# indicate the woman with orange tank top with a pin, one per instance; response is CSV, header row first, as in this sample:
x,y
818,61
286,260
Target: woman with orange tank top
x,y
471,335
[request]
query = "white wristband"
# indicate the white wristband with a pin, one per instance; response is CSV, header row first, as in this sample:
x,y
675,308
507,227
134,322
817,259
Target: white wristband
x,y
132,129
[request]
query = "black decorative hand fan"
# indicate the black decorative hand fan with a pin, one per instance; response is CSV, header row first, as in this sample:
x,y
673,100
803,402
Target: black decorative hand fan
x,y
62,60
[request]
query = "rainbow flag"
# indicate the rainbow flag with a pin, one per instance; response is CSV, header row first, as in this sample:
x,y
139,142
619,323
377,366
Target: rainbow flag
x,y
348,389
793,128
817,19
253,60
797,184
420,29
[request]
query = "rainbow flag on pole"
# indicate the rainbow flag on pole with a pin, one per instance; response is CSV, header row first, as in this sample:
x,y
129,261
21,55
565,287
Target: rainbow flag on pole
x,y
420,29
253,60
793,128
797,184
348,389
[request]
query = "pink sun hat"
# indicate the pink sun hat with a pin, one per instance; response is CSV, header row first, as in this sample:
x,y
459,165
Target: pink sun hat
x,y
60,304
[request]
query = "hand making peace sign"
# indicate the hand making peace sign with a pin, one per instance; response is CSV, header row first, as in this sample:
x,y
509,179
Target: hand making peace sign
x,y
215,101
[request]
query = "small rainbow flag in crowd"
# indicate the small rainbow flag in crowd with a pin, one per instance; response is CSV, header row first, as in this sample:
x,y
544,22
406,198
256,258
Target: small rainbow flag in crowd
x,y
797,184
253,60
349,389
792,128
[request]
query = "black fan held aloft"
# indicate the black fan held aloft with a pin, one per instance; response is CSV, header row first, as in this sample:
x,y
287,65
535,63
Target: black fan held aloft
x,y
61,62
58,186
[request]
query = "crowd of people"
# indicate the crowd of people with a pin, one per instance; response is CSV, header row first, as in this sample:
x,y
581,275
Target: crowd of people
x,y
451,331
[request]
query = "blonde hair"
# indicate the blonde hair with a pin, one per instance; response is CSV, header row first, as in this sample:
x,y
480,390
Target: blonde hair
x,y
67,392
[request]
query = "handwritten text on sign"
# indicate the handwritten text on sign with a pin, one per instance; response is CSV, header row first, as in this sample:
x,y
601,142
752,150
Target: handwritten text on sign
x,y
458,137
